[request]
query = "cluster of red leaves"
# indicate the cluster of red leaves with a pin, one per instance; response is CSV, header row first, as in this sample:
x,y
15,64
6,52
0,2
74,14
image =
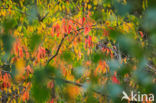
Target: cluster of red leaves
x,y
28,70
41,53
25,95
107,51
65,27
5,80
19,50
68,25
101,68
88,42
105,32
50,84
114,79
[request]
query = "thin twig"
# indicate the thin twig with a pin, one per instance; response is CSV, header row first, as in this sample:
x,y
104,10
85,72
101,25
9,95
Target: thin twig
x,y
152,68
57,49
41,19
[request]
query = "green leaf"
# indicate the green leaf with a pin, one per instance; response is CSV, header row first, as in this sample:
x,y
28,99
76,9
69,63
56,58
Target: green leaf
x,y
40,93
7,42
67,56
35,41
96,57
9,24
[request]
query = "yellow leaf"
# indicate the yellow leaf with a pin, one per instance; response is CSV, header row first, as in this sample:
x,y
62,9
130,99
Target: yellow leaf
x,y
89,6
95,2
72,91
20,68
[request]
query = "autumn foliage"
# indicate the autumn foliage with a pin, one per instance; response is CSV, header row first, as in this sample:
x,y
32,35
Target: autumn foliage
x,y
76,51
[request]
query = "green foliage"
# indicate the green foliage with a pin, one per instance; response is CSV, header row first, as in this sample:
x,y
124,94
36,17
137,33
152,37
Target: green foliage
x,y
40,92
7,42
96,57
67,56
35,40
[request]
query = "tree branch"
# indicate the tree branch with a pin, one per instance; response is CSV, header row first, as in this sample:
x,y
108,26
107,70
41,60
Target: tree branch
x,y
79,85
152,68
57,49
41,19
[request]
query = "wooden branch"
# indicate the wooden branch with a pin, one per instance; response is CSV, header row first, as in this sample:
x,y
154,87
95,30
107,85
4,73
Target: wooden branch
x,y
58,49
151,68
71,82
5,71
78,84
41,19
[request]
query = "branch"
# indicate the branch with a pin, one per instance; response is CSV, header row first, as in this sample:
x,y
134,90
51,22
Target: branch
x,y
3,67
41,19
5,71
71,82
152,68
58,49
79,85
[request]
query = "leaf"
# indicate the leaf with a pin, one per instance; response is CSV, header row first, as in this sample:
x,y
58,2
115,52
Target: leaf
x,y
35,41
114,79
7,42
141,34
9,24
92,99
96,57
40,91
67,56
72,91
20,69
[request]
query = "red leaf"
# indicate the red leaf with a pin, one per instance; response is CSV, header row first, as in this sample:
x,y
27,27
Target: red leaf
x,y
89,41
6,81
16,48
86,30
52,101
21,52
41,53
29,69
105,32
58,34
69,29
83,20
141,33
114,79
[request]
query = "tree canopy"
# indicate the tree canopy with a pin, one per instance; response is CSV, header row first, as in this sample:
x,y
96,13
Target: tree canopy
x,y
77,51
